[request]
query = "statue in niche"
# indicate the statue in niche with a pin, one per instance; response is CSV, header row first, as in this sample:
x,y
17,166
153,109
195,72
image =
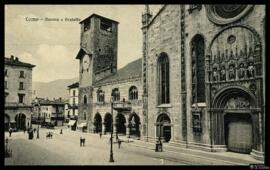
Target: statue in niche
x,y
215,74
241,71
251,70
223,73
231,72
231,55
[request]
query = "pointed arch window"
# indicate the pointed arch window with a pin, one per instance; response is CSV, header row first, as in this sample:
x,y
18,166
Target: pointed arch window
x,y
100,95
163,79
133,93
198,69
116,94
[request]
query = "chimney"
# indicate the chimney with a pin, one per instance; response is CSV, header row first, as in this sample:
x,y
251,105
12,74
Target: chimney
x,y
16,59
60,99
12,57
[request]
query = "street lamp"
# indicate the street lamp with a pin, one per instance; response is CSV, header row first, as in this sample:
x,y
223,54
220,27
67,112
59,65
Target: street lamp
x,y
111,153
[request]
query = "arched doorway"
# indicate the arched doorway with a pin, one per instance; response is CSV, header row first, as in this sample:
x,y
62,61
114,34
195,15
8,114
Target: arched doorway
x,y
20,121
163,127
97,123
7,120
120,124
134,125
235,122
108,122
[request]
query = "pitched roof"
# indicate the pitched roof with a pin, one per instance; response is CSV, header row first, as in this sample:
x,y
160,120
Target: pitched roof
x,y
74,85
131,70
15,62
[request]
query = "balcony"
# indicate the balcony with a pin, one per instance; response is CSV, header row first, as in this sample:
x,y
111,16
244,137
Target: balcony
x,y
122,106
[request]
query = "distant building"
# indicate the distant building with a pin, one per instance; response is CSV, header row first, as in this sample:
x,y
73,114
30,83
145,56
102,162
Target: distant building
x,y
71,107
49,111
18,93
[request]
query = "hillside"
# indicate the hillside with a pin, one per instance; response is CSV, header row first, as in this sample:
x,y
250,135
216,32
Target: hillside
x,y
53,89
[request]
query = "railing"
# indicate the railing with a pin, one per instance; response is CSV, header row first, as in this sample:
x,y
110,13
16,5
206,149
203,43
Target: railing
x,y
15,104
119,105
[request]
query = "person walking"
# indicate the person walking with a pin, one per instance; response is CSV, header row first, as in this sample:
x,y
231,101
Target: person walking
x,y
119,143
100,134
10,132
80,141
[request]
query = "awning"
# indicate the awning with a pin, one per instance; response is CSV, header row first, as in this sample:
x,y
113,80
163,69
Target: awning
x,y
71,122
82,125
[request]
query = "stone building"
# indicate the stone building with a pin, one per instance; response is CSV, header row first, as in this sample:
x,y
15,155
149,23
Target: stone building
x,y
204,64
99,80
18,93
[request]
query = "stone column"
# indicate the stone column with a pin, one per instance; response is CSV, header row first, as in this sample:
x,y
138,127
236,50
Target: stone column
x,y
103,128
127,130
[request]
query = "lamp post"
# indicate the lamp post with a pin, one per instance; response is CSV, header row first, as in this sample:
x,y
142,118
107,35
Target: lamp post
x,y
111,152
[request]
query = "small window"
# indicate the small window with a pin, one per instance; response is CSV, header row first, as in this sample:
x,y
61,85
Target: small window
x,y
74,93
21,74
6,85
84,116
6,72
21,86
105,25
86,25
85,99
73,101
21,98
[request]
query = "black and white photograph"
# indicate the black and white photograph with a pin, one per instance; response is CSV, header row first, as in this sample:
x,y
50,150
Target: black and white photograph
x,y
135,84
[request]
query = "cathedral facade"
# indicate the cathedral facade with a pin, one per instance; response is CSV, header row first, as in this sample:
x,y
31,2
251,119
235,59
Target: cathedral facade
x,y
199,83
204,64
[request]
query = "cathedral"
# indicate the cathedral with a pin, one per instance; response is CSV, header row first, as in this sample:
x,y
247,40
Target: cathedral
x,y
199,83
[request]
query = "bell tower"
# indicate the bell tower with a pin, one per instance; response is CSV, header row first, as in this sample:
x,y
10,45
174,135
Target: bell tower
x,y
97,57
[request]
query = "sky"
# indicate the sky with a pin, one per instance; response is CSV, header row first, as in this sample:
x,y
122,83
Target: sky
x,y
53,45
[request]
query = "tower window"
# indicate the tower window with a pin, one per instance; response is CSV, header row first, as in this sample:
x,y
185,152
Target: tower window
x,y
21,74
21,98
74,93
105,25
85,99
86,25
84,116
6,72
163,79
21,86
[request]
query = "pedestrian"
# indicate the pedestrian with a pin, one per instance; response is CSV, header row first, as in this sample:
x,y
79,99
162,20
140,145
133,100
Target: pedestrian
x,y
80,141
100,134
10,132
119,143
34,130
83,141
61,131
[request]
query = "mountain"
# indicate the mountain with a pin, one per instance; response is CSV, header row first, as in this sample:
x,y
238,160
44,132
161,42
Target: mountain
x,y
53,89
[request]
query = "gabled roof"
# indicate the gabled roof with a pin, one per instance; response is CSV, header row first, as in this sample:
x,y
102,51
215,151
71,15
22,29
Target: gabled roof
x,y
131,70
16,62
81,52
